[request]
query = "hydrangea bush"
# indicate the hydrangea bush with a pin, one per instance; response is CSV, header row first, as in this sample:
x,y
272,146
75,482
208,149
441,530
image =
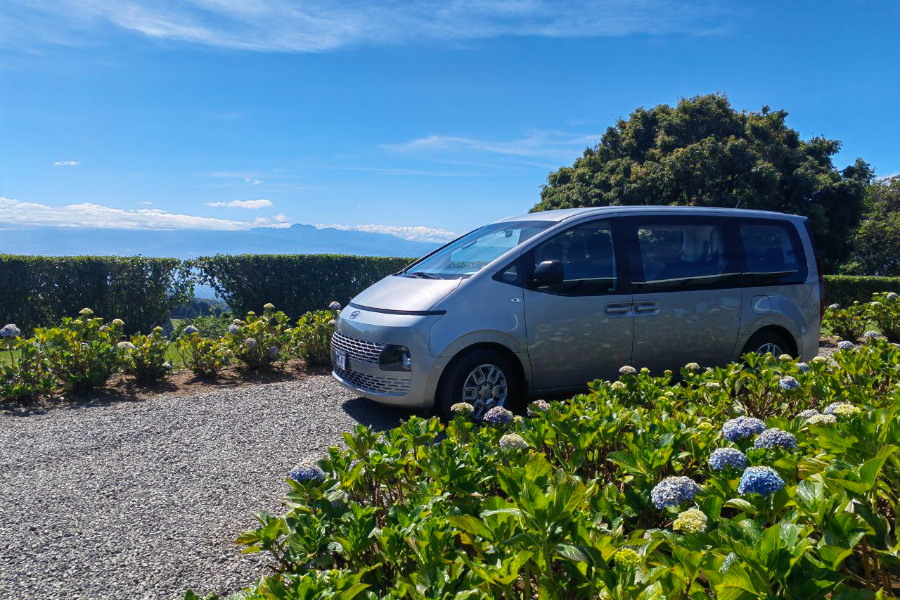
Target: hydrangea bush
x,y
144,356
311,338
646,489
82,352
261,341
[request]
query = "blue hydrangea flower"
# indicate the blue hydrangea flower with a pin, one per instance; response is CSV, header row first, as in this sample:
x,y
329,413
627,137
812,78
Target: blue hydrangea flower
x,y
334,305
834,306
871,335
806,414
190,329
251,343
10,331
846,345
802,367
273,351
775,438
307,471
788,383
743,427
838,408
760,480
673,491
233,329
498,416
722,458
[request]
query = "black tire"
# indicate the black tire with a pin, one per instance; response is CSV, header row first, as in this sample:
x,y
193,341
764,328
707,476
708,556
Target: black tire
x,y
451,386
762,341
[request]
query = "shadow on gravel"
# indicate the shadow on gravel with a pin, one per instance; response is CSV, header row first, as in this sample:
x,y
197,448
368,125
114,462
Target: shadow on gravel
x,y
377,416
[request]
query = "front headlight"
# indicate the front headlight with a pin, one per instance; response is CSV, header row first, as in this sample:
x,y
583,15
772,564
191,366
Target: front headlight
x,y
395,358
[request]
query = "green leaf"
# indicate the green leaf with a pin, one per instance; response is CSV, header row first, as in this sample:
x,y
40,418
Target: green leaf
x,y
471,525
741,505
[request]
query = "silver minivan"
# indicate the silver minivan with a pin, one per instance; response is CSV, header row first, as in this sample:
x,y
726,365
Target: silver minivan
x,y
542,304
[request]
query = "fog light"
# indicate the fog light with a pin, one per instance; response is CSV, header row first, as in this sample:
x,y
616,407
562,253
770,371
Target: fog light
x,y
395,358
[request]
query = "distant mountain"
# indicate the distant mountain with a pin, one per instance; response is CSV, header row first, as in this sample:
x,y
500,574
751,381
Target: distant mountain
x,y
191,243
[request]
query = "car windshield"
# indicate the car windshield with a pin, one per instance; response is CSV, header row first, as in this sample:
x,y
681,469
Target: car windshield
x,y
470,253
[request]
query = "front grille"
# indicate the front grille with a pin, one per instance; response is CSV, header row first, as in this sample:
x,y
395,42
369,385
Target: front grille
x,y
356,349
374,383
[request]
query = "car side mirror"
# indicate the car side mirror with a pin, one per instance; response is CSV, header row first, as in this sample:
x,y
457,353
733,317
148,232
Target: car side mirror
x,y
548,272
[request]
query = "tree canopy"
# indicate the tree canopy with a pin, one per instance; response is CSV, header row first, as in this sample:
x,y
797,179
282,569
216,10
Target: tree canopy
x,y
877,241
705,153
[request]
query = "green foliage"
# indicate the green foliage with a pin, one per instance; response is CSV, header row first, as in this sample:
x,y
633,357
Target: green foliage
x,y
848,323
311,338
884,311
297,283
704,153
142,291
81,352
847,289
261,341
144,356
428,511
209,326
204,356
878,237
27,374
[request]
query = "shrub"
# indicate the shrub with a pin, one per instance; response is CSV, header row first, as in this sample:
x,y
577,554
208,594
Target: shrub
x,y
605,497
38,290
209,326
204,356
260,341
847,289
82,351
297,283
848,323
144,356
311,338
27,375
884,311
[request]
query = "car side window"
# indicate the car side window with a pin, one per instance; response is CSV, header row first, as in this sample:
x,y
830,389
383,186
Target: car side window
x,y
772,254
672,255
588,257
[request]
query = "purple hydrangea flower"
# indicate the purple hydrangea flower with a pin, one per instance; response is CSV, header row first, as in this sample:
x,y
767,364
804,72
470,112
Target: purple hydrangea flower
x,y
233,329
190,330
775,438
307,471
788,383
498,416
760,480
673,491
741,428
722,458
10,331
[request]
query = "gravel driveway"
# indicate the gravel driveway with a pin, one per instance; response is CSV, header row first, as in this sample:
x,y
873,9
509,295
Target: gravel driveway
x,y
140,499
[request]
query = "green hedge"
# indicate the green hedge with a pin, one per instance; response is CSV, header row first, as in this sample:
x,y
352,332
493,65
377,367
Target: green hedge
x,y
845,289
38,290
294,283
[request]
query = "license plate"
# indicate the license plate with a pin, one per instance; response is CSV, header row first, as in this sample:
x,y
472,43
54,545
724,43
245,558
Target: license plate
x,y
340,358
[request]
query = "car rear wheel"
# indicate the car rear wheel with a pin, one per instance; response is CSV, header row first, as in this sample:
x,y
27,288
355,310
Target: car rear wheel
x,y
763,342
483,378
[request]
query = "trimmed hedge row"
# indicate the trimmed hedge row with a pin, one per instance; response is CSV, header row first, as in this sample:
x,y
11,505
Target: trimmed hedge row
x,y
847,289
37,290
296,283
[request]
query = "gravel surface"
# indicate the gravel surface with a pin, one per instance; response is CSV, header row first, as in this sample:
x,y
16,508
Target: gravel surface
x,y
141,499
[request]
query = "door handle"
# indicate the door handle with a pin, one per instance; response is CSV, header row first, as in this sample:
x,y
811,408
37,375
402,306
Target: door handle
x,y
646,308
618,309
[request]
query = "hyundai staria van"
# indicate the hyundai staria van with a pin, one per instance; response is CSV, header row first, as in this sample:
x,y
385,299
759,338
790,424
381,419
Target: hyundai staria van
x,y
542,304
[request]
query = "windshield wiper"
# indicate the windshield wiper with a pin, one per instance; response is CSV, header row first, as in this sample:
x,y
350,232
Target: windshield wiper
x,y
423,275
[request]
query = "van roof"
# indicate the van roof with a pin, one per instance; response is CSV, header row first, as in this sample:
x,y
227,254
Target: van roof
x,y
569,213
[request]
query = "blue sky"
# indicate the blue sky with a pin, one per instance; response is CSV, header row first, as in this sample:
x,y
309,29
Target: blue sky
x,y
415,117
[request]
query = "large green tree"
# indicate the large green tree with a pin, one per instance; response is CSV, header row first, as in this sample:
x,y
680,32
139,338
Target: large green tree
x,y
877,241
703,152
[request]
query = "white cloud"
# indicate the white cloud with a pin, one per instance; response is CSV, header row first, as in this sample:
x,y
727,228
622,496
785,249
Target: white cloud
x,y
252,180
533,144
417,233
251,204
88,215
145,203
322,25
67,163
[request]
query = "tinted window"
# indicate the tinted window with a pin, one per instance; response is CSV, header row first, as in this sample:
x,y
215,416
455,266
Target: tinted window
x,y
588,258
680,255
772,253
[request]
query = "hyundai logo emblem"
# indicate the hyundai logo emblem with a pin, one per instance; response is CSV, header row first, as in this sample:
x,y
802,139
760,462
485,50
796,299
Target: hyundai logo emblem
x,y
354,314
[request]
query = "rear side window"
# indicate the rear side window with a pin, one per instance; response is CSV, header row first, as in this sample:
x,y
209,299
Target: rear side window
x,y
672,255
773,254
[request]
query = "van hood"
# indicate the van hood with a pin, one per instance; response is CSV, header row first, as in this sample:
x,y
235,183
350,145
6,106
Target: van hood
x,y
405,294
